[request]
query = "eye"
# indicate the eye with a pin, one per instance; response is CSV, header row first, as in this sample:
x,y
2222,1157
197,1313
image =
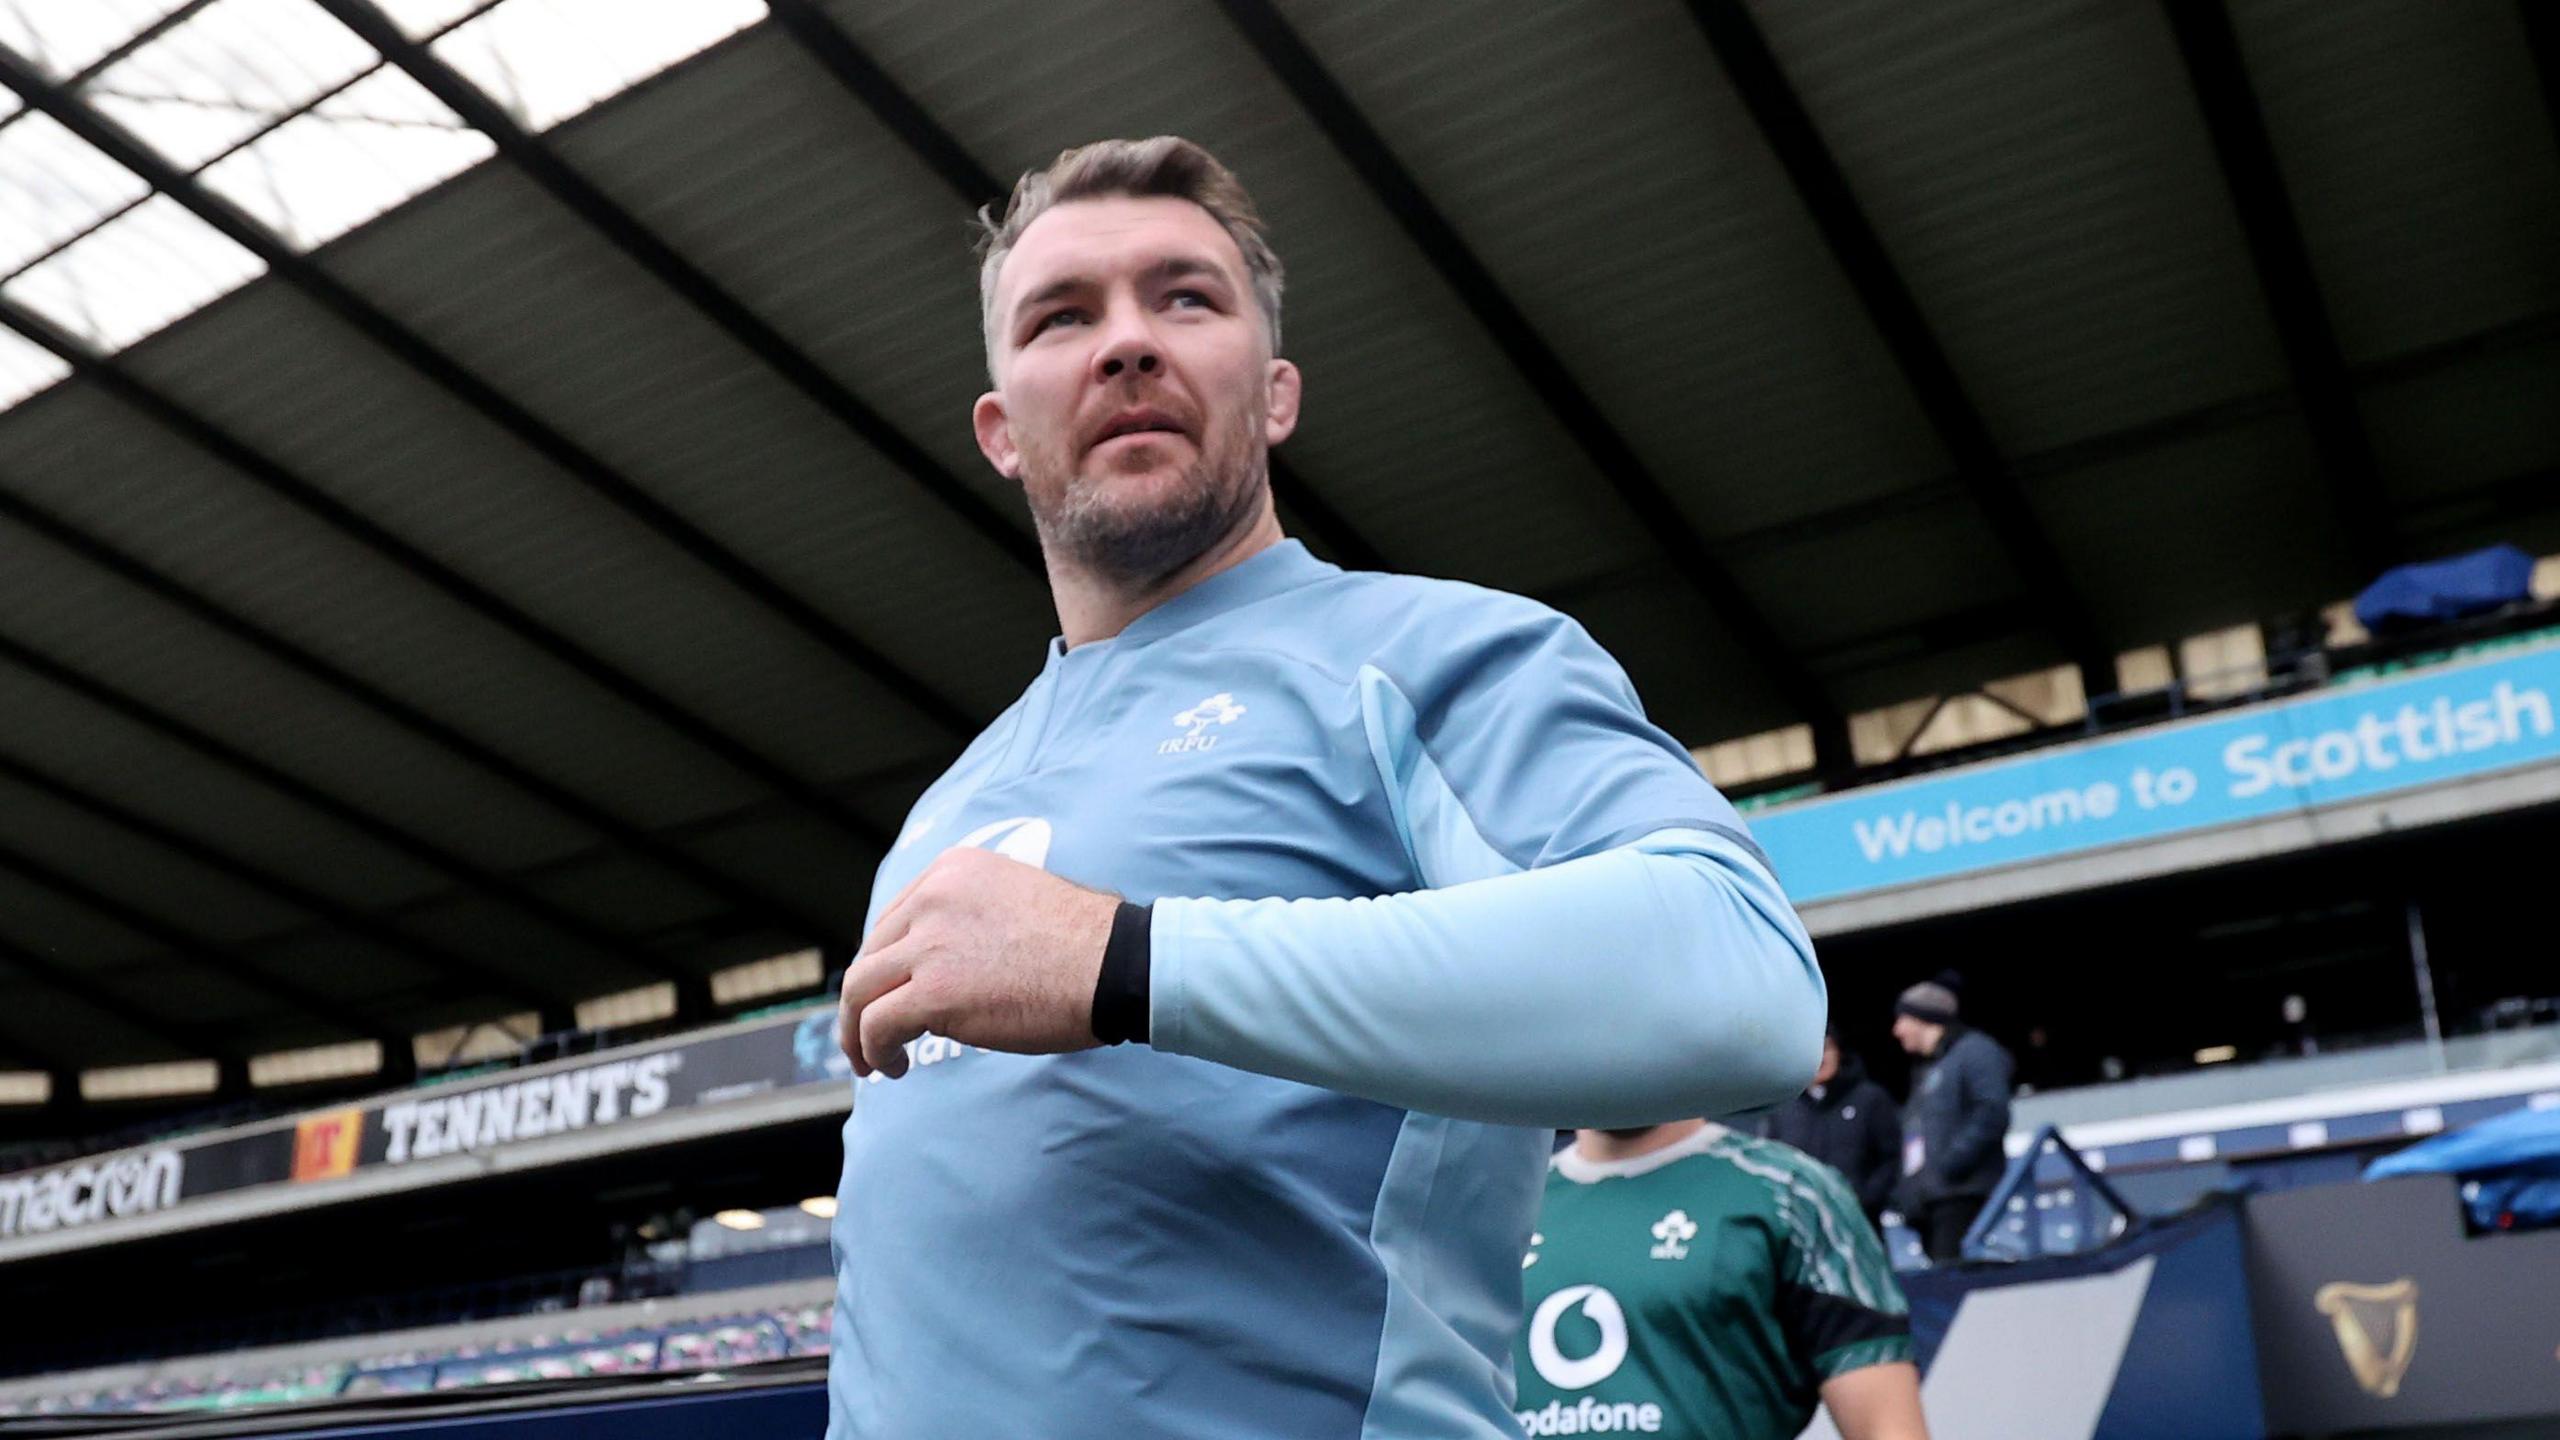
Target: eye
x,y
1051,321
1190,299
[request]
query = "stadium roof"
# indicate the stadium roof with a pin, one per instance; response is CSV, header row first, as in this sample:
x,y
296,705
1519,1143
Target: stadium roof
x,y
488,517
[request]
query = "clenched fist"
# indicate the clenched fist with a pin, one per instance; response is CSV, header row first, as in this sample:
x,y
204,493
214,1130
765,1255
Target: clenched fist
x,y
980,949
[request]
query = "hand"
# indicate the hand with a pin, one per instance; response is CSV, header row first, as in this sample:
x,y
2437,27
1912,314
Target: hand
x,y
980,949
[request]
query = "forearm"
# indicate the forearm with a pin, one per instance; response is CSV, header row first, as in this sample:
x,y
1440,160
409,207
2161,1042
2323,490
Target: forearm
x,y
1876,1402
1663,980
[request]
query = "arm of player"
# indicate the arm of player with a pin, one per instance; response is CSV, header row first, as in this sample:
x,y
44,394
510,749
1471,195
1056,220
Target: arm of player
x,y
1665,978
1876,1402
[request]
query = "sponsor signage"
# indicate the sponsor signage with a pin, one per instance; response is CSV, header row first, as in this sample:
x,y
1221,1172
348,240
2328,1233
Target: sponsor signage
x,y
2378,1310
2347,744
486,1113
592,1095
84,1192
324,1145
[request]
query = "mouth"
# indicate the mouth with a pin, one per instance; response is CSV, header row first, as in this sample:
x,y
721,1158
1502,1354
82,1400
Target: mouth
x,y
1131,423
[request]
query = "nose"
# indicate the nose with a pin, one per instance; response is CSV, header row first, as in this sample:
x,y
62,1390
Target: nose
x,y
1129,347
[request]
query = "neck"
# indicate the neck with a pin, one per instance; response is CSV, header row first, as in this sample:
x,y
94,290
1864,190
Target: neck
x,y
1092,608
1609,1145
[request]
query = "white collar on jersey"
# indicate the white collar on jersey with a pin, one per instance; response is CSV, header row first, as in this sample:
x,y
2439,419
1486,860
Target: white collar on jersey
x,y
1282,568
1574,1166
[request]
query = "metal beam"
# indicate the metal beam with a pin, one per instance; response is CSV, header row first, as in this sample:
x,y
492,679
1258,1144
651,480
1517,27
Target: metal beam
x,y
220,959
470,875
144,36
1547,375
1789,131
782,914
507,982
2532,495
636,241
2542,40
249,462
184,1041
948,159
17,1054
2148,437
2211,51
292,268
1932,634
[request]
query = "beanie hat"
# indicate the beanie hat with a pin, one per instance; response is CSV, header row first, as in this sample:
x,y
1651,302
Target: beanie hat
x,y
1929,1000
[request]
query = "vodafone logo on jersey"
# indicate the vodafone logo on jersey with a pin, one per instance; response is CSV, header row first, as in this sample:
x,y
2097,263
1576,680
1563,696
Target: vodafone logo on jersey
x,y
1589,1414
1601,1309
1024,838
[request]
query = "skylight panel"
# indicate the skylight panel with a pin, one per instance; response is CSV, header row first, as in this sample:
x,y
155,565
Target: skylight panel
x,y
420,18
25,368
53,185
355,155
226,72
64,36
135,274
546,60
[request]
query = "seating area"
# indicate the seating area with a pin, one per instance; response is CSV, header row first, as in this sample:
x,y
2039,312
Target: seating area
x,y
421,1362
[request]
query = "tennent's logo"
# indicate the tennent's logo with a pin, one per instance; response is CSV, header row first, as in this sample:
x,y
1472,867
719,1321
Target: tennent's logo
x,y
2377,1329
1218,709
324,1145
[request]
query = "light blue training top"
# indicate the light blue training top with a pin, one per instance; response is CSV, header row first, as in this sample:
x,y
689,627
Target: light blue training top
x,y
1427,887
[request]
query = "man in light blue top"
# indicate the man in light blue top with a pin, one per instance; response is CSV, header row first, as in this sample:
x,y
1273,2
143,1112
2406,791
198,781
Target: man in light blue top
x,y
1219,1003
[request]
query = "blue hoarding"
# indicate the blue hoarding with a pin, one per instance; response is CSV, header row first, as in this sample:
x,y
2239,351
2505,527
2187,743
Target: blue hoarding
x,y
2345,744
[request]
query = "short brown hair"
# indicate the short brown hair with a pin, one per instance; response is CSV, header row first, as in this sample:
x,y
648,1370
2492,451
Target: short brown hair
x,y
1163,165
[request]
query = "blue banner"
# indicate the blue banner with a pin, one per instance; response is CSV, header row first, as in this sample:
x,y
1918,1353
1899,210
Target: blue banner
x,y
2344,744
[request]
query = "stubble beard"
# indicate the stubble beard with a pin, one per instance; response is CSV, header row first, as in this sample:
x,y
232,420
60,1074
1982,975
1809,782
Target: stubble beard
x,y
1134,546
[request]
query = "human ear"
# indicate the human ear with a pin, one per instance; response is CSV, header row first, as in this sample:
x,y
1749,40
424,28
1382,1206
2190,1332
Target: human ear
x,y
995,435
1284,388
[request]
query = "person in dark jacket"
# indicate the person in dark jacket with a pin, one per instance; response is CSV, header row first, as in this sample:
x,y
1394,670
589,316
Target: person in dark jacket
x,y
1849,1123
1955,1120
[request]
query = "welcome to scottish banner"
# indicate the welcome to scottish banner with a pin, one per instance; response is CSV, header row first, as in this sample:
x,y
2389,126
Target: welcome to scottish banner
x,y
2350,743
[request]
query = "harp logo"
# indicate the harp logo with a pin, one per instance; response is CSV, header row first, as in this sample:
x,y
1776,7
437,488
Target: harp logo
x,y
2377,1329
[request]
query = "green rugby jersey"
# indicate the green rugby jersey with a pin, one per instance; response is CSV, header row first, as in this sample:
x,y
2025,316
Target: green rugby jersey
x,y
1706,1289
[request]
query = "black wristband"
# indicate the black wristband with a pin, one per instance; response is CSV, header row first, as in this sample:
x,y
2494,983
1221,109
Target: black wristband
x,y
1121,993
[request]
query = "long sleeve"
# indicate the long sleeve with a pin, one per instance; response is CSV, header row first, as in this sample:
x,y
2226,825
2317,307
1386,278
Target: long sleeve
x,y
1881,1164
1664,978
1982,1118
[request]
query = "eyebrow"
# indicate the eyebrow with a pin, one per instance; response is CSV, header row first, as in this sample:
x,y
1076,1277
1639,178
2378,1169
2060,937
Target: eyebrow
x,y
1171,267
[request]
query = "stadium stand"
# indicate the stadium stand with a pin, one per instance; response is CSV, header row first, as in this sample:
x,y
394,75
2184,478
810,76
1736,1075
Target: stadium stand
x,y
744,1326
487,556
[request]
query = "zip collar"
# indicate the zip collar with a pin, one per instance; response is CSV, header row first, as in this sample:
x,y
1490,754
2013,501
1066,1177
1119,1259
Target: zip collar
x,y
1284,567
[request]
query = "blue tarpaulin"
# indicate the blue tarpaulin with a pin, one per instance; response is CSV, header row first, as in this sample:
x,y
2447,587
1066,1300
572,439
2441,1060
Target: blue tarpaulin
x,y
2510,1168
2442,590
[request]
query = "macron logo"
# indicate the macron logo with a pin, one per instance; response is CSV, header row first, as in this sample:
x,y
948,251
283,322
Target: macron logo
x,y
1218,709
